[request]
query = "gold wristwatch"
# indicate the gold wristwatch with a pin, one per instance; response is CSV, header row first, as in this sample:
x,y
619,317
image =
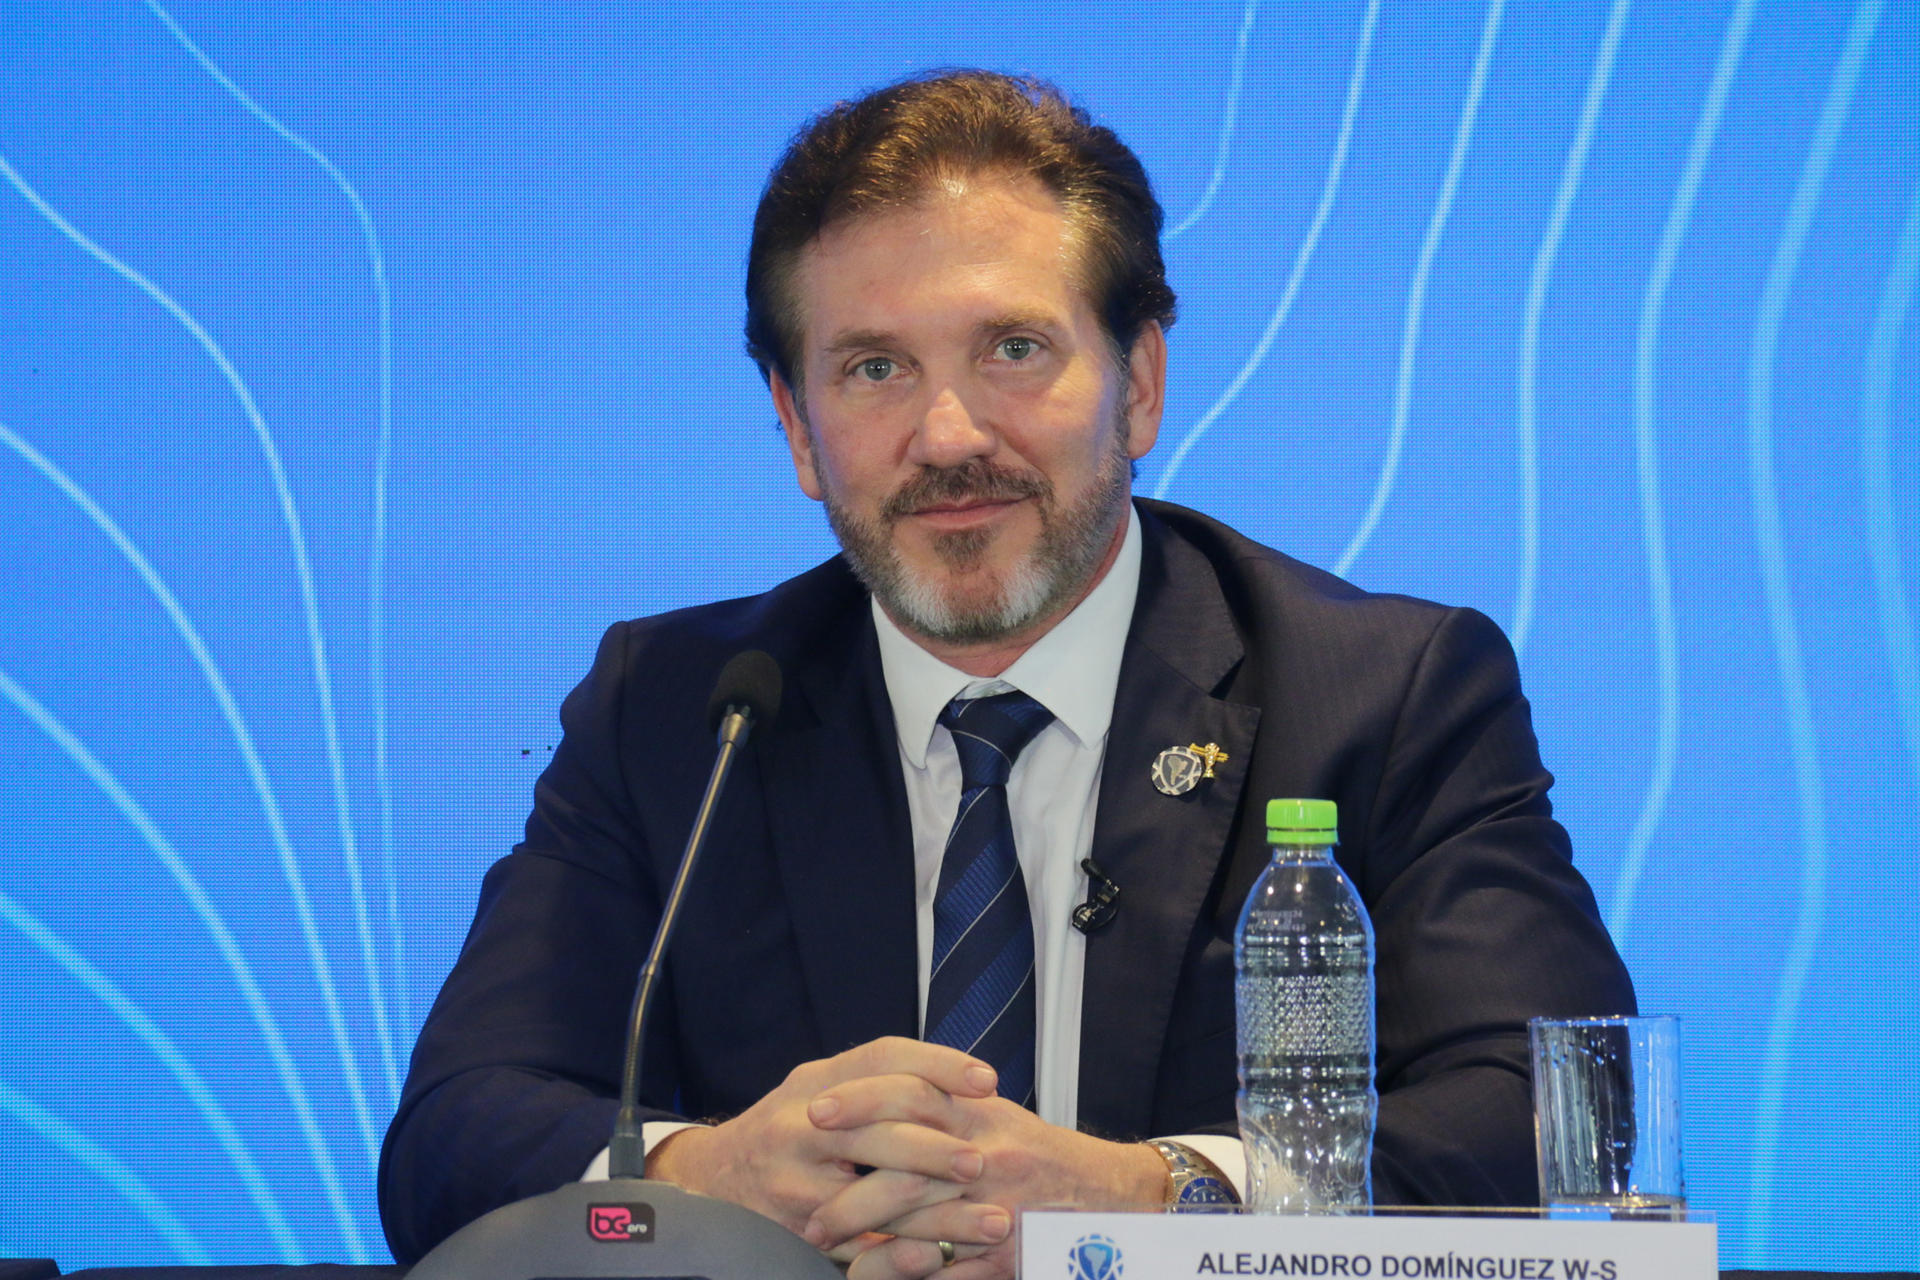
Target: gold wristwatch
x,y
1198,1186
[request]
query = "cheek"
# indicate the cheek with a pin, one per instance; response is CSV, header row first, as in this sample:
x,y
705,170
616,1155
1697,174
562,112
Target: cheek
x,y
1078,429
851,462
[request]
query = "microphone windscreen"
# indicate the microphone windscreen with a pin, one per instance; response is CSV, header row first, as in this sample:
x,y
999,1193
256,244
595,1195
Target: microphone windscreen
x,y
752,680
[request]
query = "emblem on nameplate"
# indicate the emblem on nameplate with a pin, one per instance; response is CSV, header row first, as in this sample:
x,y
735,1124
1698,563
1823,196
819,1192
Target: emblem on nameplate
x,y
1095,1258
1178,770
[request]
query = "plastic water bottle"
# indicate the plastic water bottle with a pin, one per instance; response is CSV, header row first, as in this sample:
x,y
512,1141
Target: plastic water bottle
x,y
1303,961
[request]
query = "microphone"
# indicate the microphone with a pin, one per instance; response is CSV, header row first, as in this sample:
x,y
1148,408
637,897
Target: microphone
x,y
1103,900
629,1226
748,689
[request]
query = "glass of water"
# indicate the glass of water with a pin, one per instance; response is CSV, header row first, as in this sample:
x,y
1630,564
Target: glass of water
x,y
1606,1117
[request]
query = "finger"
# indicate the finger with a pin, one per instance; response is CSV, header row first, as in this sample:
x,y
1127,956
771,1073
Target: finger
x,y
847,1250
984,1267
942,1066
881,1196
960,1221
867,1099
905,1148
771,1160
915,1259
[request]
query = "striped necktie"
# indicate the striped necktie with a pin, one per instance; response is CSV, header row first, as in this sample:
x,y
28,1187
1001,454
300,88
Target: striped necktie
x,y
981,995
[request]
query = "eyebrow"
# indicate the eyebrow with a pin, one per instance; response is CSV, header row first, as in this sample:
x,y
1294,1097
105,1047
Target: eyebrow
x,y
859,340
862,339
1020,320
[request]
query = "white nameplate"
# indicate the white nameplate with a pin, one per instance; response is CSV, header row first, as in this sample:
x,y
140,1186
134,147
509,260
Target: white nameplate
x,y
1057,1245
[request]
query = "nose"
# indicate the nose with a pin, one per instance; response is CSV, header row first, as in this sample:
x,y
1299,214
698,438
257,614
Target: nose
x,y
950,432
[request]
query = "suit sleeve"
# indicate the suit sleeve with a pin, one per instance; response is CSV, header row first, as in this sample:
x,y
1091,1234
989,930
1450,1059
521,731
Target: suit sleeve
x,y
512,1086
1481,922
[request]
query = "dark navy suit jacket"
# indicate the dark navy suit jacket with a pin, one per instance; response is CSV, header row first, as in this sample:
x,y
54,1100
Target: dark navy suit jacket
x,y
798,937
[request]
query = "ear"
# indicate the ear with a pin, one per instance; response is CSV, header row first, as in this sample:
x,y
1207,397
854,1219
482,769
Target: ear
x,y
1146,388
799,440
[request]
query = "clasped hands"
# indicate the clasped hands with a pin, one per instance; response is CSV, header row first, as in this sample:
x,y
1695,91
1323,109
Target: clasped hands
x,y
877,1154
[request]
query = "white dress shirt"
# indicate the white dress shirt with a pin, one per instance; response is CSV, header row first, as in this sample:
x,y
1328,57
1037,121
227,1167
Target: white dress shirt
x,y
1052,795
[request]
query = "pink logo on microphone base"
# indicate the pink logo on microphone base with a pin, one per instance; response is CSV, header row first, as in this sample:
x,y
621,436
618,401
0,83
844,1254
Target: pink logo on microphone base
x,y
620,1223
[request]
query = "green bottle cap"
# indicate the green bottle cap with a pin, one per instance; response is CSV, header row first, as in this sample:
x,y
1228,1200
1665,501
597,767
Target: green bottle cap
x,y
1308,822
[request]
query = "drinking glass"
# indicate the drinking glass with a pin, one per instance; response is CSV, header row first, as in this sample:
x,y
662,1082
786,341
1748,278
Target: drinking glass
x,y
1606,1111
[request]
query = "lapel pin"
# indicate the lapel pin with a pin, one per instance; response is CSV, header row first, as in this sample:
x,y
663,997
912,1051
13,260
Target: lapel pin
x,y
1210,755
1177,770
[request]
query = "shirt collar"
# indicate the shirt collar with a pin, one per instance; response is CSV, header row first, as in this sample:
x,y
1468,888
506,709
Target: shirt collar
x,y
1073,670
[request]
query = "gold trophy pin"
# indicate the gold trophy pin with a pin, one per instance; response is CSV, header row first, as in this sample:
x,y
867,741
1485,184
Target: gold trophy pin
x,y
1178,770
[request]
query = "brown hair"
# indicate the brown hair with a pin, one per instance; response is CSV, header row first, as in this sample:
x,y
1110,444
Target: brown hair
x,y
884,151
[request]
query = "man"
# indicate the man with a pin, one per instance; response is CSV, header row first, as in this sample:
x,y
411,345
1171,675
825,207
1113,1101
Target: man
x,y
956,294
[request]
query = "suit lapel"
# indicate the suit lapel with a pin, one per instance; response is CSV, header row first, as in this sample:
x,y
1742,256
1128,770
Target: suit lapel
x,y
837,813
1162,850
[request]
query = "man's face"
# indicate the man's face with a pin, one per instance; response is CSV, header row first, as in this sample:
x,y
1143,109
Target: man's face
x,y
962,416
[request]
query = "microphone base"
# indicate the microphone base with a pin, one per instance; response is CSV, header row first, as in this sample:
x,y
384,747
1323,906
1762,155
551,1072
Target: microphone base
x,y
628,1227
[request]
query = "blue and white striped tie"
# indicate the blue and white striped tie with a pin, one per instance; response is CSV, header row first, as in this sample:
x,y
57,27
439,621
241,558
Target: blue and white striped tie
x,y
981,996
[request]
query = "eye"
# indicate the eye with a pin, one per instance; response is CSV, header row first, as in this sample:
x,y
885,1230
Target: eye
x,y
1017,348
872,369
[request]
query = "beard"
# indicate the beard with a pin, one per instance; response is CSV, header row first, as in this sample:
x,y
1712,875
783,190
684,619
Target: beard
x,y
935,602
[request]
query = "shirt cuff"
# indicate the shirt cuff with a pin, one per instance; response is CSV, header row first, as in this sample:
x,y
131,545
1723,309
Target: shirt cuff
x,y
652,1134
1228,1155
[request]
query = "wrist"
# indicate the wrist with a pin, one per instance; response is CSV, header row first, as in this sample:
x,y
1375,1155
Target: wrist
x,y
1101,1174
1154,1184
675,1158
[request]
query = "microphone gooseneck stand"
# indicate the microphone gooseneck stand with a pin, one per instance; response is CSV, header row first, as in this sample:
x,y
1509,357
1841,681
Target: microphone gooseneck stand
x,y
629,1226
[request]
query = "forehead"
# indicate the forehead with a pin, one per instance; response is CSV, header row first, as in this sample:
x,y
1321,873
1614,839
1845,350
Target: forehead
x,y
967,247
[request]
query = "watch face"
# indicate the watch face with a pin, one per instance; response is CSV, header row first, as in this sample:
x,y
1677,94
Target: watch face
x,y
1206,1193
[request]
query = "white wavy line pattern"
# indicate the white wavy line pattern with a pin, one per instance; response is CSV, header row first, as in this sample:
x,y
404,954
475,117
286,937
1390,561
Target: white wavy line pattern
x,y
375,572
215,924
1646,449
1329,188
162,1046
323,973
1876,465
1537,285
1770,536
1417,294
1229,119
376,590
100,1162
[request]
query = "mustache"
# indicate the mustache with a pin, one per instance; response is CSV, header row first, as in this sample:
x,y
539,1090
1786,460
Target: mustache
x,y
973,480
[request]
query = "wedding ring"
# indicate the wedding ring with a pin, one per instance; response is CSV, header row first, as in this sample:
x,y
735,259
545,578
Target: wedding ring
x,y
946,1253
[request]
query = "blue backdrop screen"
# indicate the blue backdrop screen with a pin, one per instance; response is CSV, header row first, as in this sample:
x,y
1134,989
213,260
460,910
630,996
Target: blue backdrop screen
x,y
359,364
